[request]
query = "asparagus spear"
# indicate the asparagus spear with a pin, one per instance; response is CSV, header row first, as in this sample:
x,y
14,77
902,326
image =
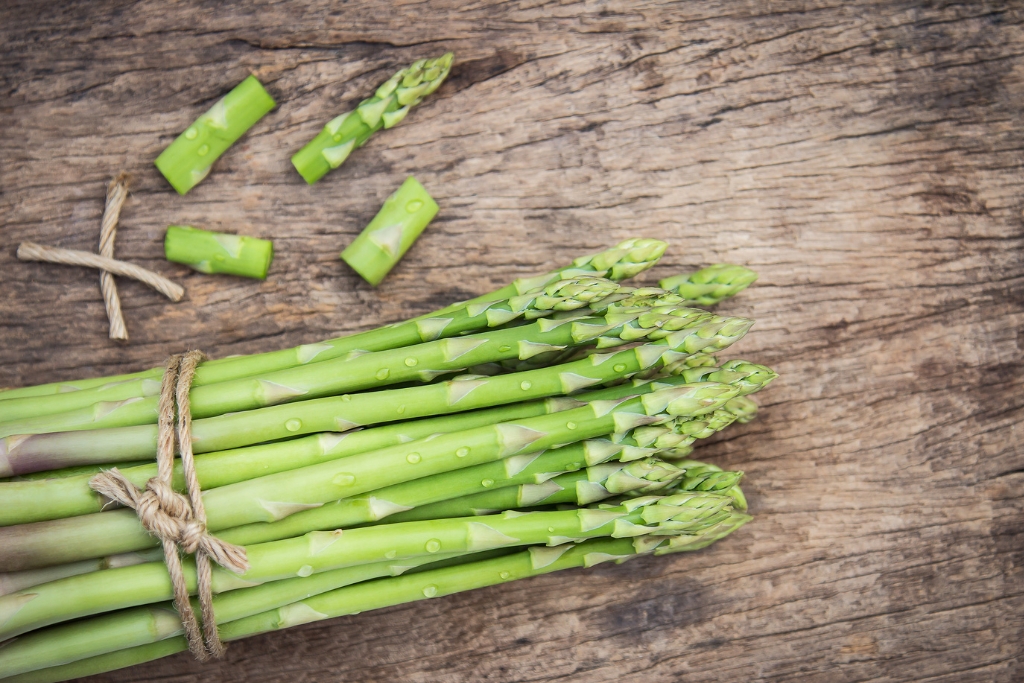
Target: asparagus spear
x,y
359,372
460,483
383,242
562,295
580,487
625,260
386,108
61,449
216,252
188,159
318,551
710,285
32,501
408,588
276,496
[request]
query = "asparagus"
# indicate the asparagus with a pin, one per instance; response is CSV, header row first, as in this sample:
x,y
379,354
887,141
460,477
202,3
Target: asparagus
x,y
276,496
414,586
217,252
32,501
188,159
580,487
50,451
128,628
710,285
358,372
562,295
625,260
383,242
385,109
74,597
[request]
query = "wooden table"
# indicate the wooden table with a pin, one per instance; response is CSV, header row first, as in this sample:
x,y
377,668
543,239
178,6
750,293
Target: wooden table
x,y
864,158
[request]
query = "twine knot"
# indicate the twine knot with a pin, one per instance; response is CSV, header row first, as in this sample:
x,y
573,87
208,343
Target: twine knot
x,y
178,521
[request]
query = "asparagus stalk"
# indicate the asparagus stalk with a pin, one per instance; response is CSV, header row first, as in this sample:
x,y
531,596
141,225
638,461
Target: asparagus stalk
x,y
562,295
30,453
414,586
217,252
422,493
383,242
625,260
276,496
580,487
32,501
359,372
188,159
385,109
132,627
710,285
317,551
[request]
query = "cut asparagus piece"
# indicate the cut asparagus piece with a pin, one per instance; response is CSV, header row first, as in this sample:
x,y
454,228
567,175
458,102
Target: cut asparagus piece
x,y
188,159
391,232
710,285
217,252
625,260
385,109
87,594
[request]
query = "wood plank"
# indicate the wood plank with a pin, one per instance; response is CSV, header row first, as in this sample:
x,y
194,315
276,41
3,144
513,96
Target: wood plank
x,y
864,158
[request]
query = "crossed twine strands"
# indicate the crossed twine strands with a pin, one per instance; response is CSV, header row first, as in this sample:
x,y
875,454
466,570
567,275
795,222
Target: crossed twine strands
x,y
175,519
117,193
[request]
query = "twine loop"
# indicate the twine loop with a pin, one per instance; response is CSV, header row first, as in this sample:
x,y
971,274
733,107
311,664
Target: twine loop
x,y
179,521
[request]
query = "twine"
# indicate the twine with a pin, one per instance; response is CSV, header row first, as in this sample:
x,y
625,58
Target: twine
x,y
173,518
30,251
117,193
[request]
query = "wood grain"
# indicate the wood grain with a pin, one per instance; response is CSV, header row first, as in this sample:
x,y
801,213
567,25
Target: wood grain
x,y
865,158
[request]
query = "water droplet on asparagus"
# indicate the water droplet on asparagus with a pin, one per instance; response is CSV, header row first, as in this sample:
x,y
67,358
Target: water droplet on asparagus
x,y
293,425
619,368
411,362
430,591
570,425
344,479
383,373
487,482
203,150
504,348
525,386
413,458
414,206
391,554
305,570
191,134
505,575
462,452
433,545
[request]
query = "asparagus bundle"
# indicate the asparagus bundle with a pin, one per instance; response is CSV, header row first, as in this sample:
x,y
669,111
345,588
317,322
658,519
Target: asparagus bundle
x,y
371,470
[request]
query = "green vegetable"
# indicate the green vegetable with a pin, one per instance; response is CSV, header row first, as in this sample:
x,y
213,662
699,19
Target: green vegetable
x,y
391,232
385,109
273,497
710,285
62,644
320,551
217,252
681,332
188,159
625,260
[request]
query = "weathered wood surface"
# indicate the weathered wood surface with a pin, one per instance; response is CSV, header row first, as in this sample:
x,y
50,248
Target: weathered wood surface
x,y
865,158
